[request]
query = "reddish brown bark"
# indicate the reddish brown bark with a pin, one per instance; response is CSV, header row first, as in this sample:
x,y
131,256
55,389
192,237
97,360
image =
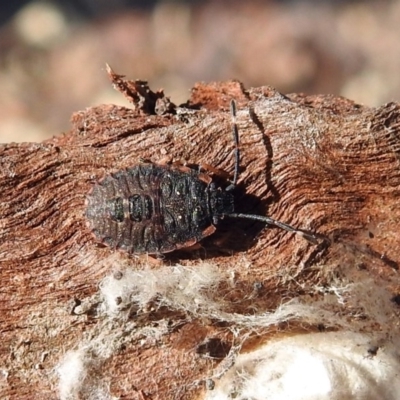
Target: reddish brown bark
x,y
320,163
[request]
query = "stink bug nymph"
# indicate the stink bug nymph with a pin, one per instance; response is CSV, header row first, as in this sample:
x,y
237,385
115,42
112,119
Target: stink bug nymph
x,y
158,208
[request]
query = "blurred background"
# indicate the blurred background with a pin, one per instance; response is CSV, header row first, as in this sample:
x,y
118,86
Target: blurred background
x,y
53,53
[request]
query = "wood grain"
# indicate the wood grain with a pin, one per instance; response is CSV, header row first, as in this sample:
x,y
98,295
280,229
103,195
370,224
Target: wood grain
x,y
319,163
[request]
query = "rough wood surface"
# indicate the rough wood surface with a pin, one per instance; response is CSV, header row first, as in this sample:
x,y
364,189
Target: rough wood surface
x,y
319,163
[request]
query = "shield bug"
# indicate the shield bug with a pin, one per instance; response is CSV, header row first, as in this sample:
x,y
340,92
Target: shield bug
x,y
158,208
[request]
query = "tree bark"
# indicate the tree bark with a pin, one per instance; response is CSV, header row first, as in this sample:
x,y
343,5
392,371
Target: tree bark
x,y
319,163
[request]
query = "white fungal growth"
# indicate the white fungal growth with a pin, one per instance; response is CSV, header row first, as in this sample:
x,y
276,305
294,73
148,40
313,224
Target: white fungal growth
x,y
320,366
72,373
79,378
195,290
177,287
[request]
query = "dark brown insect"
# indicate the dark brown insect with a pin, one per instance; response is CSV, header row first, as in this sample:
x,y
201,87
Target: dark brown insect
x,y
156,208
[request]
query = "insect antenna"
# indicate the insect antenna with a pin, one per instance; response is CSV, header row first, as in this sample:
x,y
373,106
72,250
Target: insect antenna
x,y
235,133
270,221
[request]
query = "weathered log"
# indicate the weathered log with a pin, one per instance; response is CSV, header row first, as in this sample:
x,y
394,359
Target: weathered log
x,y
319,163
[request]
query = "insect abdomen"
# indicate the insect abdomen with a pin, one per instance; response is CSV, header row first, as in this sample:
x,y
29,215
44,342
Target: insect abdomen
x,y
149,209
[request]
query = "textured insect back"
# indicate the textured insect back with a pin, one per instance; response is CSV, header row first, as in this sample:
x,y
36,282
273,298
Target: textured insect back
x,y
151,208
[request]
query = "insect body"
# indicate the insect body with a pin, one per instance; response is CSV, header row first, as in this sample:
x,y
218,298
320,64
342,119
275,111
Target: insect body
x,y
155,208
